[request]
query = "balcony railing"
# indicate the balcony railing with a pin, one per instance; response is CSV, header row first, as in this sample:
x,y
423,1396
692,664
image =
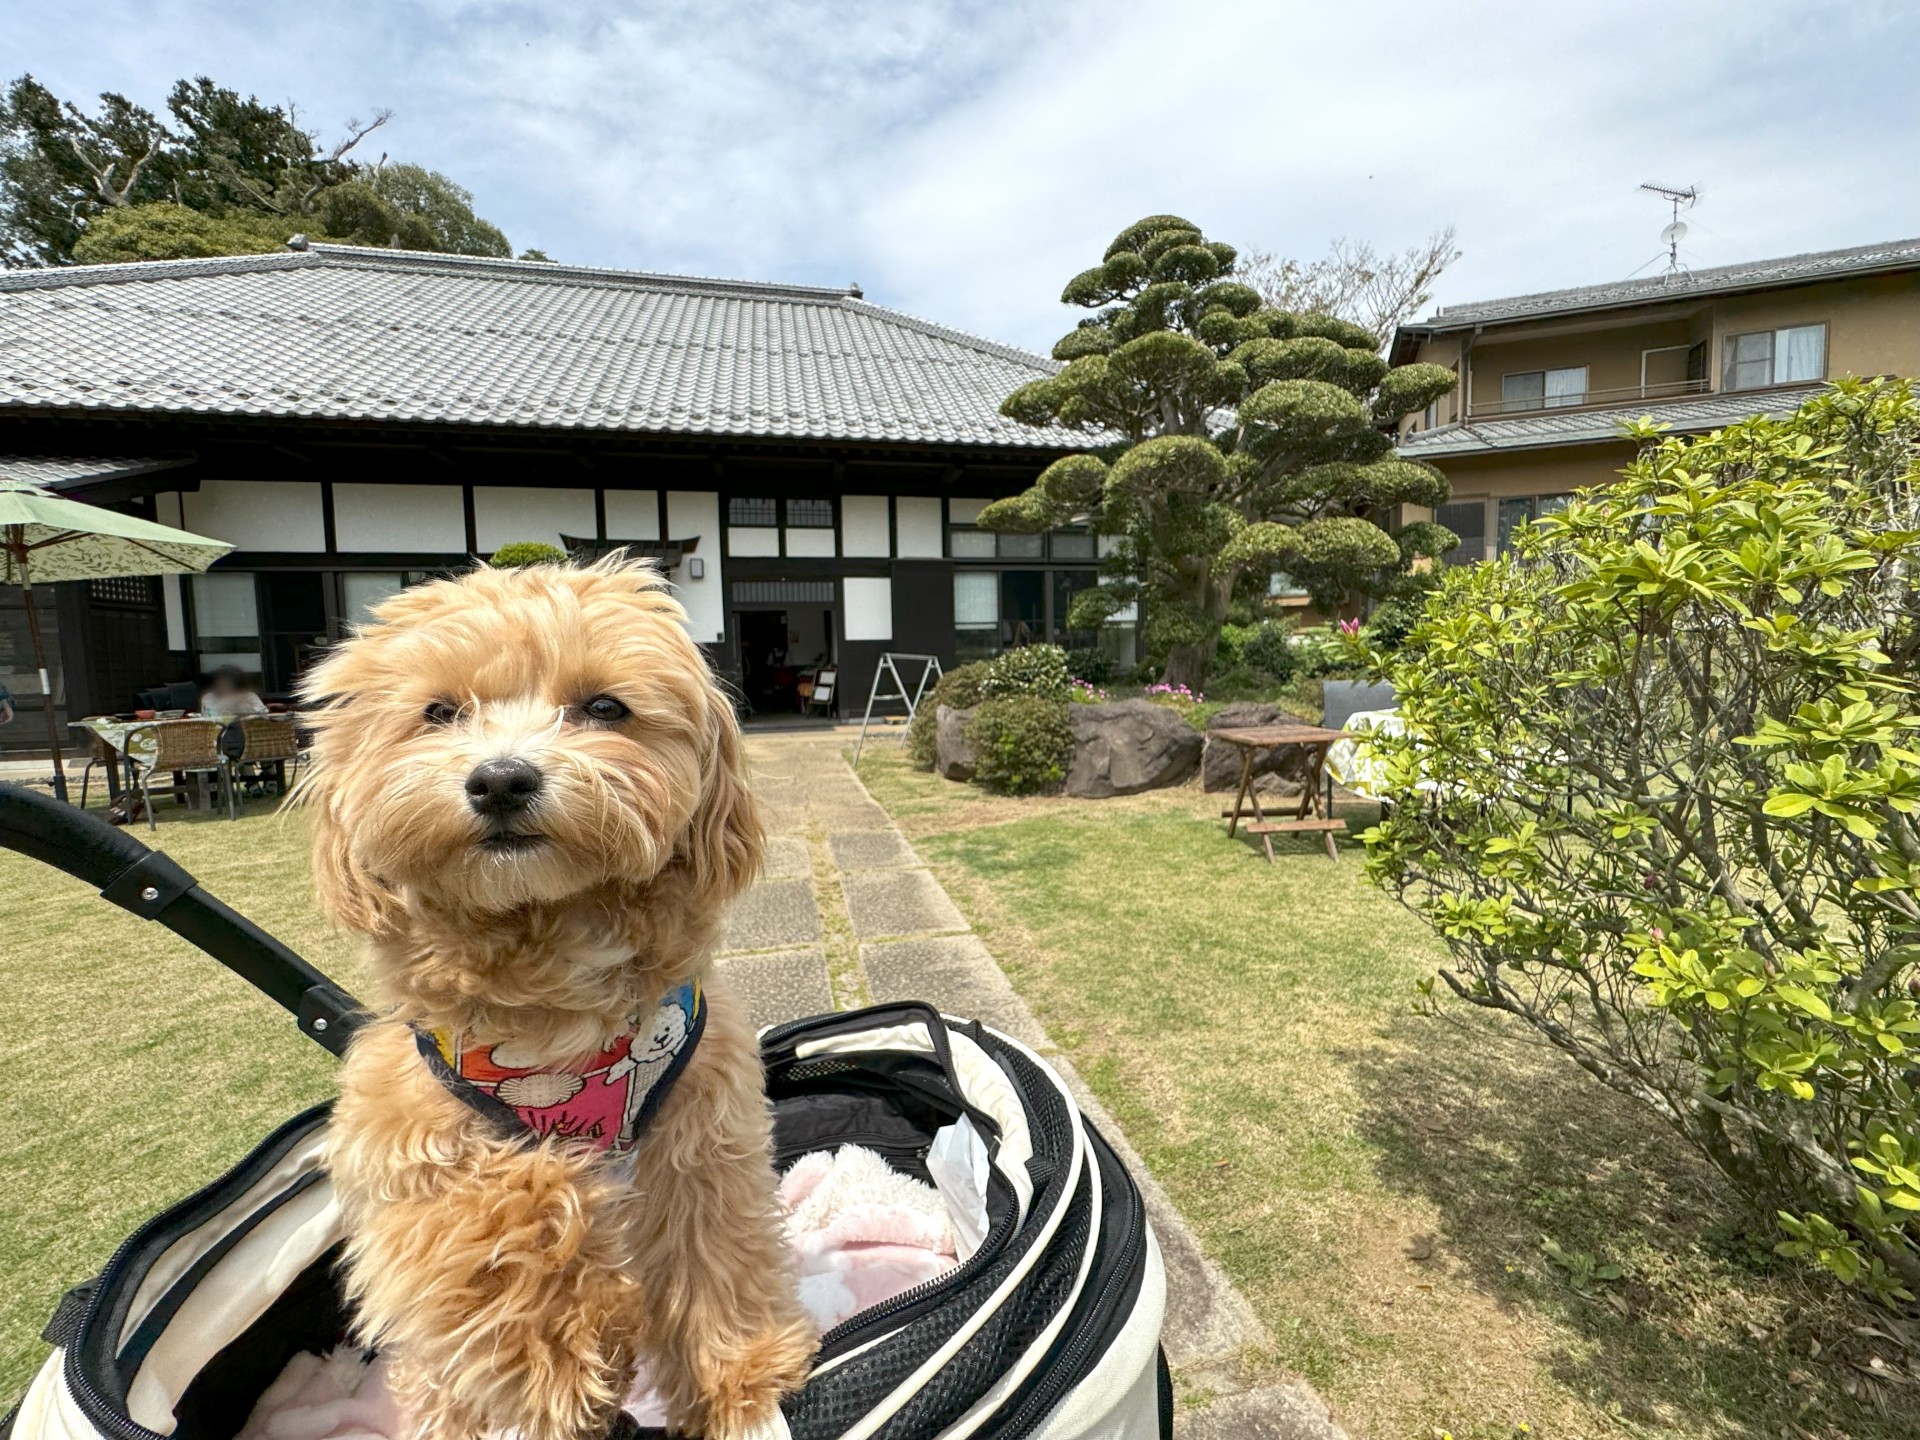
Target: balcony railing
x,y
1590,399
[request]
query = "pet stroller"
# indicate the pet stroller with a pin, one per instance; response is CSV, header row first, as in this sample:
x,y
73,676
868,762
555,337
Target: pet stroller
x,y
1049,1329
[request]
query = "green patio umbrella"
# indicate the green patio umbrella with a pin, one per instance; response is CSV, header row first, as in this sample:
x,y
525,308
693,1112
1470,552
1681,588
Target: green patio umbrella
x,y
45,539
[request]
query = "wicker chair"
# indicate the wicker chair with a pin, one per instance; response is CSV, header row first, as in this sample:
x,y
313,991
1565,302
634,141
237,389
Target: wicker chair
x,y
185,747
270,742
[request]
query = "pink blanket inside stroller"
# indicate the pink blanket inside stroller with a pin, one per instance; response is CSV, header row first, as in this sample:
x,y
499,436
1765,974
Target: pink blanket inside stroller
x,y
861,1233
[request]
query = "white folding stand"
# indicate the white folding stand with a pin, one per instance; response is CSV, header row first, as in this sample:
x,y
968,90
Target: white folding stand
x,y
929,673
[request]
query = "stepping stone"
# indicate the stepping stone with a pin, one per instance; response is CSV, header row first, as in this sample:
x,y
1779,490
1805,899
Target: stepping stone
x,y
773,914
787,857
871,850
849,814
783,985
898,902
954,973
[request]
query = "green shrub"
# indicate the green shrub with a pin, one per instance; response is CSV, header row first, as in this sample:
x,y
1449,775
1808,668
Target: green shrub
x,y
1022,743
1090,664
1030,670
1269,647
1673,816
527,552
960,689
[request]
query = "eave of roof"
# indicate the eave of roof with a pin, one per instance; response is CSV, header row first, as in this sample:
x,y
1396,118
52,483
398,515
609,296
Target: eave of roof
x,y
63,472
1586,427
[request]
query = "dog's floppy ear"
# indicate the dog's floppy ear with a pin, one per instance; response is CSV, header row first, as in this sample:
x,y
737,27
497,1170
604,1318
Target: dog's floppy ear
x,y
724,839
344,888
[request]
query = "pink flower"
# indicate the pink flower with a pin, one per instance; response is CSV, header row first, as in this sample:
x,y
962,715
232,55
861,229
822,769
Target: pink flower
x,y
1350,628
1657,934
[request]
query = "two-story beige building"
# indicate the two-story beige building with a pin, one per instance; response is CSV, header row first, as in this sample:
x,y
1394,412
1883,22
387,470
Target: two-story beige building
x,y
1546,380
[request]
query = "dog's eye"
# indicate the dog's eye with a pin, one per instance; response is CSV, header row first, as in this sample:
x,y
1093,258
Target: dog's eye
x,y
605,709
440,712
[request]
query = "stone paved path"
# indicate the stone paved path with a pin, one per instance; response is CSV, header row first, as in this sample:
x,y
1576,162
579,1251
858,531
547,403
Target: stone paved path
x,y
847,914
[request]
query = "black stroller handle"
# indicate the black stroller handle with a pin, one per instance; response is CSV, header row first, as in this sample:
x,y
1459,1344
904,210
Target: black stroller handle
x,y
155,887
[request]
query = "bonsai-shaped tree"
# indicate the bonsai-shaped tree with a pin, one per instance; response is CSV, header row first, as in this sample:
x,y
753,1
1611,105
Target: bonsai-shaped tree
x,y
1227,440
527,552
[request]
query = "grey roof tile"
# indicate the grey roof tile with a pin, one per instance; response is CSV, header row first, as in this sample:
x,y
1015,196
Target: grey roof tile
x,y
347,333
1583,427
64,471
1652,289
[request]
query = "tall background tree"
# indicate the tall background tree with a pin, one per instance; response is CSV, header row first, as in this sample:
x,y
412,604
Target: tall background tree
x,y
1228,439
220,174
1378,291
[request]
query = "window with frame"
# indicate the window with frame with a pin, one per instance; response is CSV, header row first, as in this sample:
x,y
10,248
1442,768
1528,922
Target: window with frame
x,y
1468,520
743,510
810,514
1790,355
1544,389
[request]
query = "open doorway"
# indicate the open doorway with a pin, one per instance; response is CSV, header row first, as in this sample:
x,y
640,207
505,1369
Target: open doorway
x,y
782,647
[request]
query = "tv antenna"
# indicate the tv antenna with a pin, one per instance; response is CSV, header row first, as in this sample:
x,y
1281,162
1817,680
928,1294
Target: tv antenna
x,y
1676,230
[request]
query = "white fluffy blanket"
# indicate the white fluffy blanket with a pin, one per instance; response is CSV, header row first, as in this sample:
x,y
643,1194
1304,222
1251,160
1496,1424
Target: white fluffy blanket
x,y
861,1233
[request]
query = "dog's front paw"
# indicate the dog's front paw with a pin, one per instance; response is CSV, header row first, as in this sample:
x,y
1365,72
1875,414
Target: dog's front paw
x,y
737,1391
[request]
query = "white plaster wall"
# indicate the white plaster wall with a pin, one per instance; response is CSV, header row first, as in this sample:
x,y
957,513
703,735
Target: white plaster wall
x,y
751,540
633,515
917,517
696,514
864,531
964,512
257,514
869,607
399,519
176,612
810,542
503,514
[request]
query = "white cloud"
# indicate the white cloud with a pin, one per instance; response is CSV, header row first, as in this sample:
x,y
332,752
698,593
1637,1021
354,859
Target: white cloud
x,y
963,159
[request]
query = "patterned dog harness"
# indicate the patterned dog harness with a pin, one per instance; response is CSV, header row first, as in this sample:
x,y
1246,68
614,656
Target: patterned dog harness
x,y
607,1100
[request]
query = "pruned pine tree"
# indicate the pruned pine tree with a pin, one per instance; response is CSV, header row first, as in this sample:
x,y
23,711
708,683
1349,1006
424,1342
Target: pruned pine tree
x,y
1226,440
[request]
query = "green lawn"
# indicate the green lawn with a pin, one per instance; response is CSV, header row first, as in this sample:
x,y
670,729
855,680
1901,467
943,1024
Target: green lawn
x,y
1377,1183
135,1068
1380,1184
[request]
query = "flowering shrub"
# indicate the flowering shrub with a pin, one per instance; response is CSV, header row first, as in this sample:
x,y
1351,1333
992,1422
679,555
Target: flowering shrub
x,y
1671,806
1029,670
1081,693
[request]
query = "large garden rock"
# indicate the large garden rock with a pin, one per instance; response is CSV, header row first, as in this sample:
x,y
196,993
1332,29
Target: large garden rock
x,y
1127,747
953,753
1221,769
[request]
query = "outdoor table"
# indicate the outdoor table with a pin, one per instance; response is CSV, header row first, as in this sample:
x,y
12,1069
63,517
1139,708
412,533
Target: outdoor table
x,y
132,744
1311,814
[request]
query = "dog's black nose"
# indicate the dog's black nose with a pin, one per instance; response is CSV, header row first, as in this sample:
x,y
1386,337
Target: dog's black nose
x,y
501,787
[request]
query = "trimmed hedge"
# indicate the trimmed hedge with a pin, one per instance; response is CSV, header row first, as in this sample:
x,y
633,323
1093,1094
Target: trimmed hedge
x,y
527,552
1022,743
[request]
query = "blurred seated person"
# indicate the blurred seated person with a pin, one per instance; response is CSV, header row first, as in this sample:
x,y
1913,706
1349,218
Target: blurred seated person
x,y
229,696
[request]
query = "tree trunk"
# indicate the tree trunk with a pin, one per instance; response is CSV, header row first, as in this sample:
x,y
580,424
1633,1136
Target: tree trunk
x,y
1187,665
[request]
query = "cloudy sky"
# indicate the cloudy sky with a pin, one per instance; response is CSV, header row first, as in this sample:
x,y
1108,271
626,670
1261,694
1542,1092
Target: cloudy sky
x,y
961,158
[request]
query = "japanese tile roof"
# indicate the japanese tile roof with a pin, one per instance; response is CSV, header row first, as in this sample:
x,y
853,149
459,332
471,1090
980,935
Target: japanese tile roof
x,y
62,472
1583,427
341,332
1656,289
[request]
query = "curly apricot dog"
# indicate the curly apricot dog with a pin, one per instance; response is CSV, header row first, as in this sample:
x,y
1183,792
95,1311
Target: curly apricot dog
x,y
528,791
